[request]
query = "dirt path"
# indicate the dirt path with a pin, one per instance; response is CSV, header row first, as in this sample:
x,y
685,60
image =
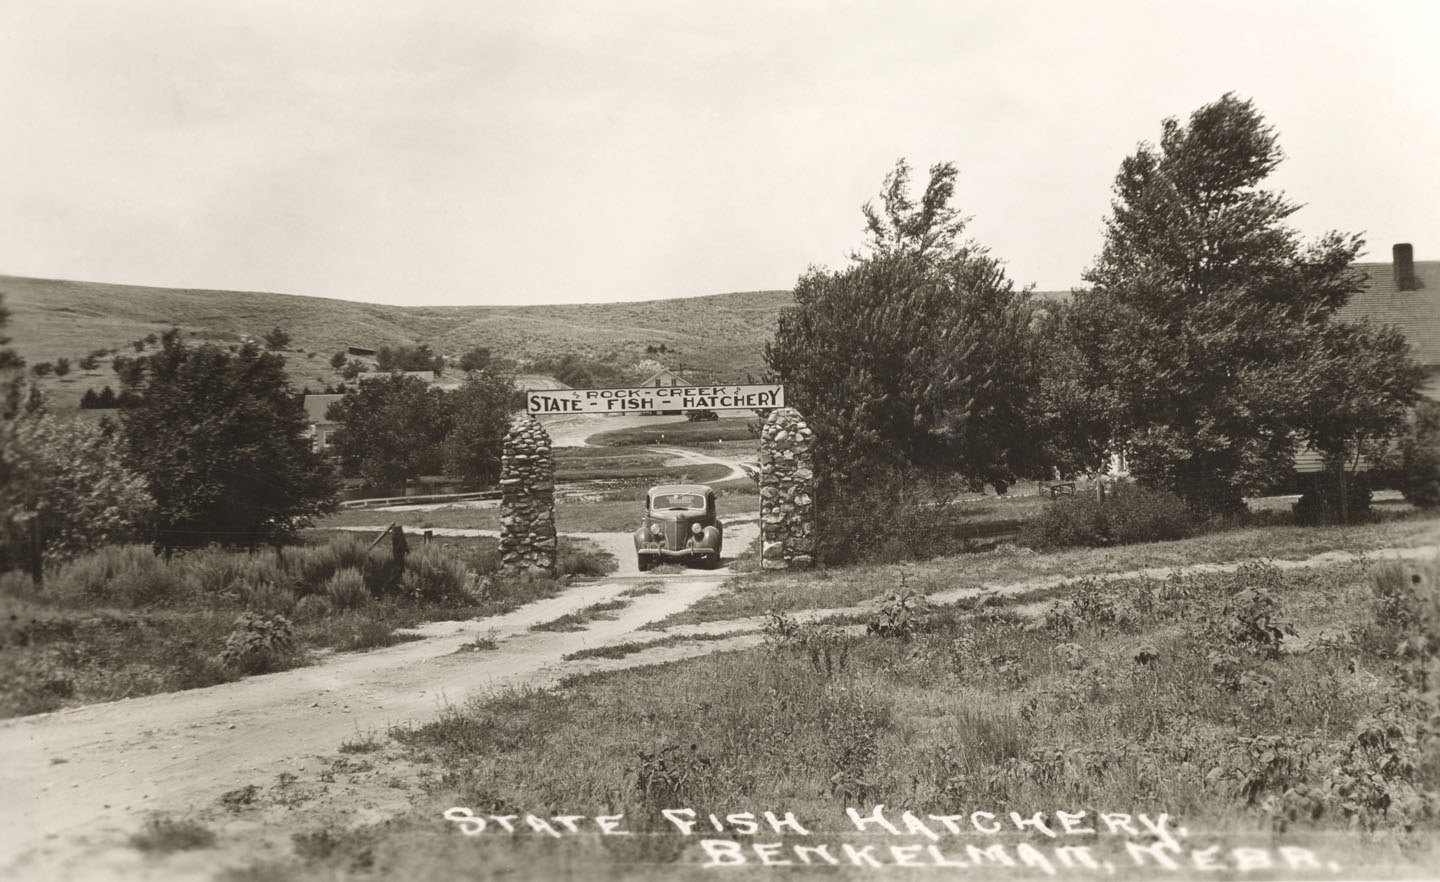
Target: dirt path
x,y
84,776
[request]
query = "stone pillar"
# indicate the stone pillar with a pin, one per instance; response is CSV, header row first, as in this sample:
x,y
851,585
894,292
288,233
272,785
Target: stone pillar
x,y
527,500
787,491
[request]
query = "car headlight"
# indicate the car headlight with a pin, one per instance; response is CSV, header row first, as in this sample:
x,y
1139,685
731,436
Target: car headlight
x,y
696,529
656,531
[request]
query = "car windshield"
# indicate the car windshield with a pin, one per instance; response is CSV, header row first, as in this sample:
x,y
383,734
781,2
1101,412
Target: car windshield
x,y
664,501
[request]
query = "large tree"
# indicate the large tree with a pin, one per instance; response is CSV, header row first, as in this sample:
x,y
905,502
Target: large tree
x,y
1202,299
391,430
918,356
220,437
480,416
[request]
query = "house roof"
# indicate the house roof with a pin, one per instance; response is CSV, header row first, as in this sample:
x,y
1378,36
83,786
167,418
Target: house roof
x,y
316,405
650,380
1415,312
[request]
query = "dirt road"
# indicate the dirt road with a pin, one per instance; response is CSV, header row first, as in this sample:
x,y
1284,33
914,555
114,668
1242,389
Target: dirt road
x,y
84,779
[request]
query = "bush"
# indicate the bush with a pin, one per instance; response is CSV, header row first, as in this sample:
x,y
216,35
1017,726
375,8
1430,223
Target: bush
x,y
1420,457
895,516
433,576
1130,513
346,589
128,575
1319,501
259,644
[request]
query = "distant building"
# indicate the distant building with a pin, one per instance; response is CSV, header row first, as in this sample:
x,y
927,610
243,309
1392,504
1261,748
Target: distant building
x,y
665,378
1405,293
321,426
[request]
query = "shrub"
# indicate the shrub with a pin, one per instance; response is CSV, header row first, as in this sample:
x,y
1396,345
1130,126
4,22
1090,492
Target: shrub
x,y
346,589
267,597
1130,513
1319,502
313,607
129,575
893,517
163,835
259,644
1420,457
432,576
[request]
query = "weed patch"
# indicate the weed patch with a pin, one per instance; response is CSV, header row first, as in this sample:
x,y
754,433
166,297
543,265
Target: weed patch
x,y
163,835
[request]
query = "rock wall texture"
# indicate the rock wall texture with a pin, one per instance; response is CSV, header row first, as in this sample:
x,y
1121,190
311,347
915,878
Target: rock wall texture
x,y
527,500
787,491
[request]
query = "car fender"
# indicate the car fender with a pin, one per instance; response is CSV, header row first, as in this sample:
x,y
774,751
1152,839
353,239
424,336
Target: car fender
x,y
710,537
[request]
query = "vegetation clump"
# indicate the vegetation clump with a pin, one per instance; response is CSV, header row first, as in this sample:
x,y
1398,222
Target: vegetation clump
x,y
1127,514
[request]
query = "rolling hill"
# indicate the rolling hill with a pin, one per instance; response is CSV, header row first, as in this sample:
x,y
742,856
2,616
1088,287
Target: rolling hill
x,y
718,337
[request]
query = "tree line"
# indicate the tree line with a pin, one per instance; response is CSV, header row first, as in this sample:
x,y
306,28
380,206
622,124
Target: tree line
x,y
211,444
1205,347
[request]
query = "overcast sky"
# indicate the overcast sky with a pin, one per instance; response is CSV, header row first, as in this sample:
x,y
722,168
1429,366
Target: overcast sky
x,y
478,152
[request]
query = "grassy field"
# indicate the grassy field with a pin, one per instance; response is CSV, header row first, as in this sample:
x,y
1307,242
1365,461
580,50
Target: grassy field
x,y
757,593
1251,717
123,622
715,434
628,464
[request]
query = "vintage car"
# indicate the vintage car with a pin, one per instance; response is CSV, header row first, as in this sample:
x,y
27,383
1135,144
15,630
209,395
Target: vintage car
x,y
680,526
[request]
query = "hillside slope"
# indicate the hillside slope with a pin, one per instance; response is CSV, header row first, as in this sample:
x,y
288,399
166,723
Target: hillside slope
x,y
719,336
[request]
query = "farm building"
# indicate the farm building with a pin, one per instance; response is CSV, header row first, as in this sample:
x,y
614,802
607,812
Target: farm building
x,y
320,426
1406,293
665,378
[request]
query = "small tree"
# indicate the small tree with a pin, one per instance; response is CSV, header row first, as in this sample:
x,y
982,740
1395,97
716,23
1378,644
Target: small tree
x,y
89,362
337,361
83,494
405,357
476,359
277,340
391,430
220,438
481,411
1420,456
1354,389
42,368
918,356
62,366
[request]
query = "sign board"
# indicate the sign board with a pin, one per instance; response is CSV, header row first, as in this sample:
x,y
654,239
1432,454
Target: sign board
x,y
654,398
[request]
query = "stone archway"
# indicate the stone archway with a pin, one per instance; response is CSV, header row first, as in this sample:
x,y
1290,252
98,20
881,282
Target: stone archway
x,y
787,491
527,499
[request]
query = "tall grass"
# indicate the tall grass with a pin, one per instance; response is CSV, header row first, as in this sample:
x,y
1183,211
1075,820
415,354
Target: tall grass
x,y
122,621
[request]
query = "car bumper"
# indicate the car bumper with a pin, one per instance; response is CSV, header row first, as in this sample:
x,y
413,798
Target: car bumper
x,y
682,554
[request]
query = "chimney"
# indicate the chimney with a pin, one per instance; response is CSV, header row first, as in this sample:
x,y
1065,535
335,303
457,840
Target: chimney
x,y
1404,260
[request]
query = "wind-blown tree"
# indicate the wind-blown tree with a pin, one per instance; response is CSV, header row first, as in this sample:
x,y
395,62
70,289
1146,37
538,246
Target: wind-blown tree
x,y
918,357
480,416
1202,301
220,437
391,430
